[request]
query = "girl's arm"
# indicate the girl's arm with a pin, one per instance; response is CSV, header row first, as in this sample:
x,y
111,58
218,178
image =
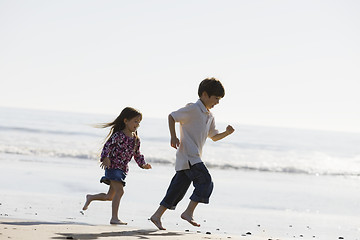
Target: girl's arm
x,y
146,166
109,146
229,130
139,158
104,159
105,163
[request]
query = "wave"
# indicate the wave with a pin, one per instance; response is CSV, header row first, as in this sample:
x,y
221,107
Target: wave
x,y
270,169
94,156
281,169
48,153
47,131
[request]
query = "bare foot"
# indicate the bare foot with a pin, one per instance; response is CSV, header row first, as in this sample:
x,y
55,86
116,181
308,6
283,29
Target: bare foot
x,y
117,222
157,222
190,220
88,201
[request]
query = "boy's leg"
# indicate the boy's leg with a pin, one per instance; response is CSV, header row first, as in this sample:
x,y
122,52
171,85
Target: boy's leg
x,y
119,192
189,213
176,191
156,217
203,184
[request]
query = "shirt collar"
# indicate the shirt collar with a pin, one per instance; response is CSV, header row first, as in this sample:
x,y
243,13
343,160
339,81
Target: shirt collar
x,y
202,106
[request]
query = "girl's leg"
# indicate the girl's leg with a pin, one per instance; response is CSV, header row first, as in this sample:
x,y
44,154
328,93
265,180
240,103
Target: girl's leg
x,y
99,197
118,193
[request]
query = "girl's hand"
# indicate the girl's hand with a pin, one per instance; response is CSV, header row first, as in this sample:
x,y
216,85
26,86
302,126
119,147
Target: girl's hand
x,y
105,163
146,166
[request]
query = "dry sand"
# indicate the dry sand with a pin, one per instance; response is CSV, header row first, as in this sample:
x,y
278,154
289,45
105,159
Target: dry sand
x,y
27,229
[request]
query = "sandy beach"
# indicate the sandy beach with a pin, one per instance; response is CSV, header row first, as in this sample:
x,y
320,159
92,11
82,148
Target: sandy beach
x,y
263,206
26,229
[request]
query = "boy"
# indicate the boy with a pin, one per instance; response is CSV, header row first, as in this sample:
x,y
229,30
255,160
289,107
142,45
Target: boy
x,y
196,124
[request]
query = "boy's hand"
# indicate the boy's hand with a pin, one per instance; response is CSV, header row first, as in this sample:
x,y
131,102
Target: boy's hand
x,y
105,163
174,142
146,166
229,129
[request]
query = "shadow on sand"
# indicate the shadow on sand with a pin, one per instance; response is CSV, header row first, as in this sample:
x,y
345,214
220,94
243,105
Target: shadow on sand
x,y
139,234
39,223
136,234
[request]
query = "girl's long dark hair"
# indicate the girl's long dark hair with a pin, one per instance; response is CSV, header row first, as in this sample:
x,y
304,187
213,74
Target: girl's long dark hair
x,y
118,124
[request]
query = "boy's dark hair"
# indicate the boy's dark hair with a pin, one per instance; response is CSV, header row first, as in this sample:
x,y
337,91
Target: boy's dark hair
x,y
212,87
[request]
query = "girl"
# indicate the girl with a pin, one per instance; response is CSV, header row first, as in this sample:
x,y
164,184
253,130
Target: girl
x,y
122,144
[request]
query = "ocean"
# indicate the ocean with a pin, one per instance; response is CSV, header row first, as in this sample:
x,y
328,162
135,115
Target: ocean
x,y
57,135
273,182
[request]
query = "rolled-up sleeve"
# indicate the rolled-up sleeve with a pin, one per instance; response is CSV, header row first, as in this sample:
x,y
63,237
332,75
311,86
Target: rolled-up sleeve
x,y
182,114
212,130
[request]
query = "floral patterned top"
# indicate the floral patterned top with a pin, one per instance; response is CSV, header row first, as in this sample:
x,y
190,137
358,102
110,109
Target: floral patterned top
x,y
119,148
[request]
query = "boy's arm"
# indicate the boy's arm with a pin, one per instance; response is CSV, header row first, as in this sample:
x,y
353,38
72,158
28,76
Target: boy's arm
x,y
174,141
229,130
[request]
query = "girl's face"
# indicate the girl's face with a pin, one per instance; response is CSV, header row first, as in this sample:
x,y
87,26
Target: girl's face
x,y
132,124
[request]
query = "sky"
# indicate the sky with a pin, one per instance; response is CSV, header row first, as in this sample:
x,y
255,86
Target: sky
x,y
283,63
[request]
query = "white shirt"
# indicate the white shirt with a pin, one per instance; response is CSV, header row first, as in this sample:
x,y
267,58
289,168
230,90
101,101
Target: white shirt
x,y
196,124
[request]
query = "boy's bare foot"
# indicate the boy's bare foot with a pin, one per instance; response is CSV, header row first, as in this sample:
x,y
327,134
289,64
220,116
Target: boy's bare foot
x,y
88,201
189,219
117,222
157,222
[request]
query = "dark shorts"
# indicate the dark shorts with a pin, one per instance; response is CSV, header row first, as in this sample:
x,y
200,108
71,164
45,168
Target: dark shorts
x,y
113,175
199,175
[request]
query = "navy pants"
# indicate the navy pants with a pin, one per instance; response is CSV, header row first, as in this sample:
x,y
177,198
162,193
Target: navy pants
x,y
199,175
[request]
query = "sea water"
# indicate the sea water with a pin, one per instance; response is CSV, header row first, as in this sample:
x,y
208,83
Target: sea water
x,y
264,176
59,135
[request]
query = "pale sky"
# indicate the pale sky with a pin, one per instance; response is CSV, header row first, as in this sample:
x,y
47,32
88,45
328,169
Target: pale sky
x,y
282,63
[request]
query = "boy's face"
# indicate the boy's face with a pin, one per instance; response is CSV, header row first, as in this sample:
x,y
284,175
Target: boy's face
x,y
209,102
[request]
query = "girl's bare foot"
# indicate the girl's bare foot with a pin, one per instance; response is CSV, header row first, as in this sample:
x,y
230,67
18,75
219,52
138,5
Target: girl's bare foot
x,y
157,222
88,201
117,222
189,219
